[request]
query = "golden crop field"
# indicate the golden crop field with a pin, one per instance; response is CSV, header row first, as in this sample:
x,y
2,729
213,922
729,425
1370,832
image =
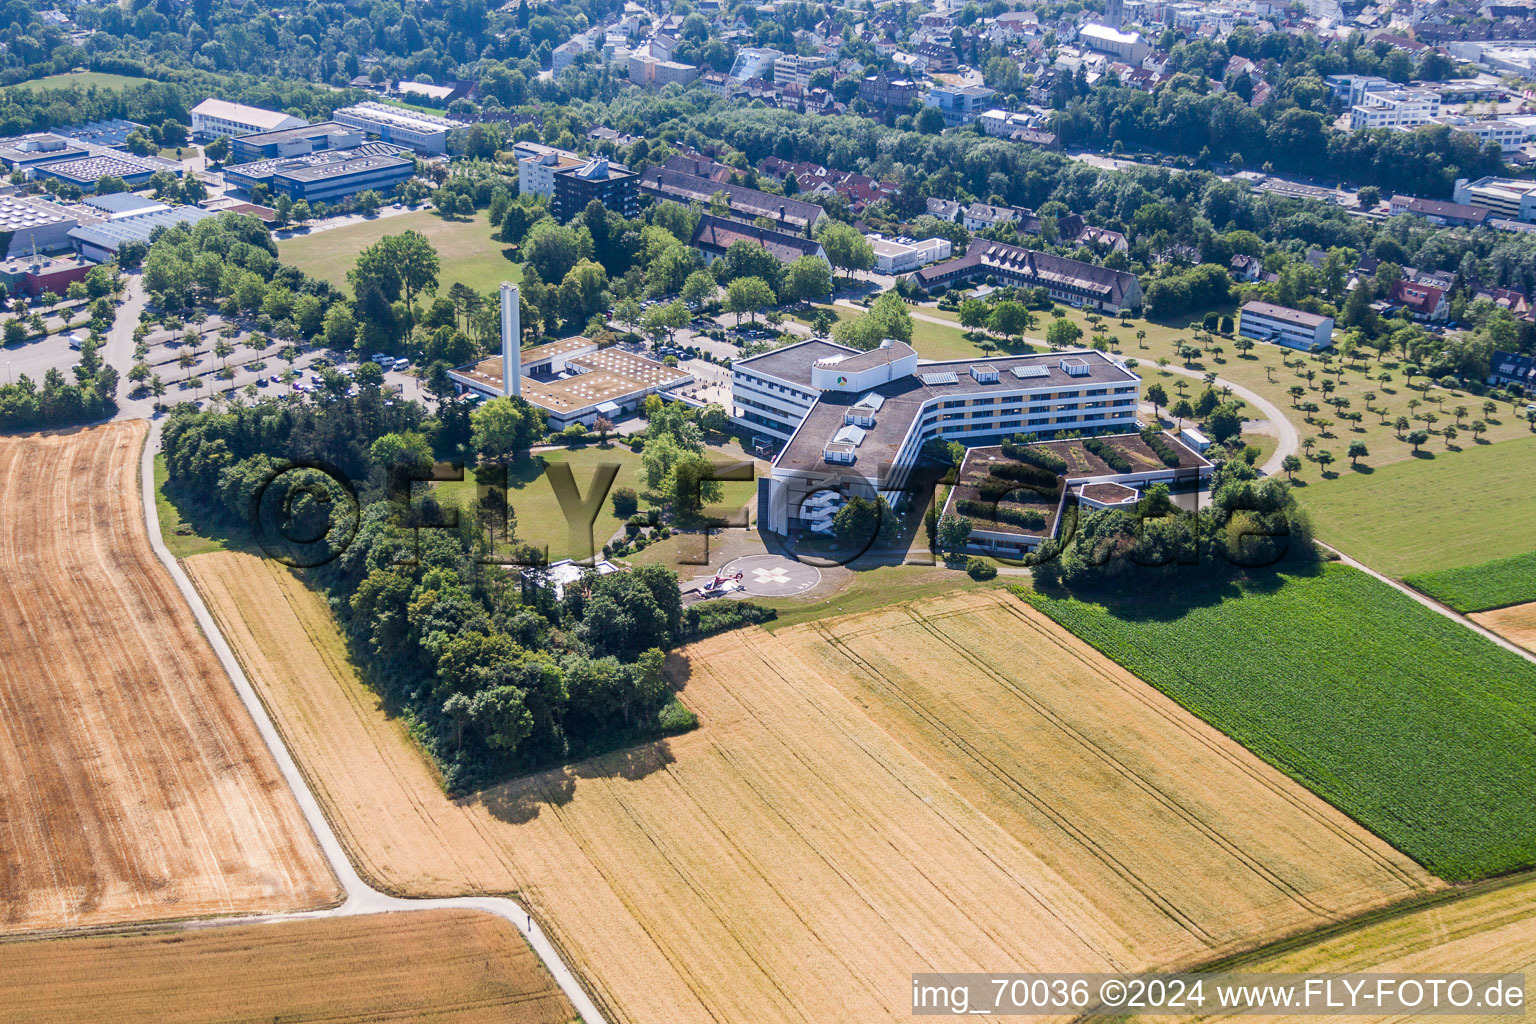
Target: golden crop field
x,y
951,785
367,968
133,785
1517,623
1492,929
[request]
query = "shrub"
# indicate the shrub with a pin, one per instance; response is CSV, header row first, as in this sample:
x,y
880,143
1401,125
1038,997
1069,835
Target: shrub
x,y
1111,456
625,502
1035,456
1160,447
674,718
992,489
711,617
980,569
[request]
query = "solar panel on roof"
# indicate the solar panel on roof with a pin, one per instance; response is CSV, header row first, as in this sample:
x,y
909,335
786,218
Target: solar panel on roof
x,y
940,378
1030,372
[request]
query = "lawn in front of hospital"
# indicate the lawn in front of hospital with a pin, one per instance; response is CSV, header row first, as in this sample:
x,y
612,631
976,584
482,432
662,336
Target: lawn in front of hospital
x,y
540,520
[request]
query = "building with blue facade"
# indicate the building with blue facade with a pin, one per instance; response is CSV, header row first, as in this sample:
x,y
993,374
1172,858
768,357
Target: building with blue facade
x,y
322,177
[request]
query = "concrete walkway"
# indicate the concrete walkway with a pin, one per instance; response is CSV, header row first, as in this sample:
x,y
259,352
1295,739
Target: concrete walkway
x,y
1285,431
361,898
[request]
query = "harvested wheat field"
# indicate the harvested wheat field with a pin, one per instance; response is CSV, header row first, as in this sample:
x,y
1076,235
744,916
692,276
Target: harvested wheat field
x,y
132,783
1492,929
837,823
1517,623
448,966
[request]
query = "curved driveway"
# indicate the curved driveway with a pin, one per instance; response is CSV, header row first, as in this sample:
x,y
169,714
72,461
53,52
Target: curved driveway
x,y
362,898
1289,439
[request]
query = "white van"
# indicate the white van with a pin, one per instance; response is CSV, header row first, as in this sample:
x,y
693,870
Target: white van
x,y
76,339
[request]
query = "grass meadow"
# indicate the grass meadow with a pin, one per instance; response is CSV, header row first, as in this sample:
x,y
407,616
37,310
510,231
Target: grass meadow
x,y
1415,726
82,79
539,519
466,248
1425,516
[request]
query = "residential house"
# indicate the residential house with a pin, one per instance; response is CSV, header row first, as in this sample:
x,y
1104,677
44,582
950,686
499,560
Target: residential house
x,y
1422,301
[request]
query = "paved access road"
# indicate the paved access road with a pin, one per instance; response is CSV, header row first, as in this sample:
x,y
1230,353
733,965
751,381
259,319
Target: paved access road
x,y
362,898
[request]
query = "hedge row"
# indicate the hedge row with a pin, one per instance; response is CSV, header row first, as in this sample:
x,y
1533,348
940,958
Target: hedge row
x,y
1024,473
1160,446
708,618
1035,456
1027,518
1112,456
993,489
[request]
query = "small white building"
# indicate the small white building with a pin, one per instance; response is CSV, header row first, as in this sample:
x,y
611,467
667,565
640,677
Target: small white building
x,y
1399,108
903,257
1293,328
559,575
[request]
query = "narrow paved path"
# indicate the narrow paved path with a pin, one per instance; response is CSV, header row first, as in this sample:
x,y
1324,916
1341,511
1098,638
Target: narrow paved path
x,y
1285,430
362,898
1432,604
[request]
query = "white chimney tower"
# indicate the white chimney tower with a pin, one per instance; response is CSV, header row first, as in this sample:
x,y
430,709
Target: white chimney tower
x,y
511,341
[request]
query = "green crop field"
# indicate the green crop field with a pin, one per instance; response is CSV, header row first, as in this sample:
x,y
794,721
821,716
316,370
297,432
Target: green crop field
x,y
1417,727
1479,588
468,253
1422,516
83,79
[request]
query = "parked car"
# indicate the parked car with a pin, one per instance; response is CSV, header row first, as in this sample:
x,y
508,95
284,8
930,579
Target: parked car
x,y
402,364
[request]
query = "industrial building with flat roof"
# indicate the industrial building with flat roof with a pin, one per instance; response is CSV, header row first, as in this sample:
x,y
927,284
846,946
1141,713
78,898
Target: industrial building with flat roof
x,y
424,133
326,176
311,138
1505,197
86,171
575,381
867,415
101,241
50,154
33,275
34,226
212,118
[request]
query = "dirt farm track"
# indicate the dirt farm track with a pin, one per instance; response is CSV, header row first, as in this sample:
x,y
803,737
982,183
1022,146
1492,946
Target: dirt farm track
x,y
947,785
133,785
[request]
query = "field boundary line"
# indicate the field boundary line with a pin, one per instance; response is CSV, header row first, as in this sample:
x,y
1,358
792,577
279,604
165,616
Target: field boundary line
x,y
1431,603
361,897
